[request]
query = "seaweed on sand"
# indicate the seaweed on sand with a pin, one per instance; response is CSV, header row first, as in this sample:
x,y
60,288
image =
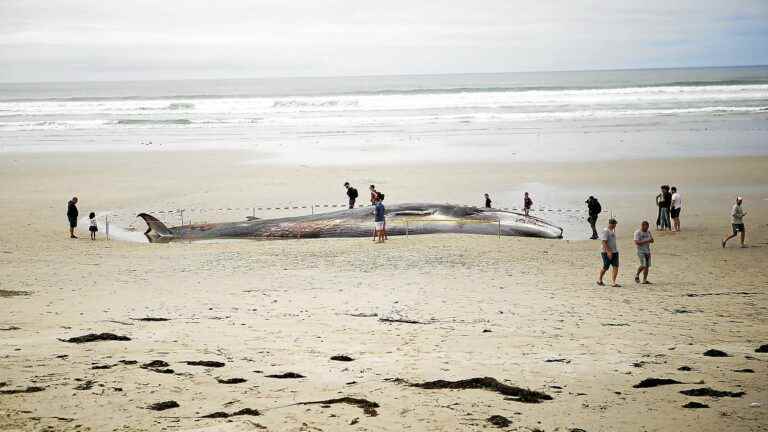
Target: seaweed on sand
x,y
655,382
368,407
487,383
95,337
706,391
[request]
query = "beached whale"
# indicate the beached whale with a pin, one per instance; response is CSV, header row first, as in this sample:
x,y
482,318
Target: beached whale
x,y
402,219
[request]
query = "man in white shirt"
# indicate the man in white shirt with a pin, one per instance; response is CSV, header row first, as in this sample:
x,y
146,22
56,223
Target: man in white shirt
x,y
609,252
737,222
677,205
643,240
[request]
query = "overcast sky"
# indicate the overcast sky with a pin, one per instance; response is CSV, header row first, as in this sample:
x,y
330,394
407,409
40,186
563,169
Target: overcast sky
x,y
61,40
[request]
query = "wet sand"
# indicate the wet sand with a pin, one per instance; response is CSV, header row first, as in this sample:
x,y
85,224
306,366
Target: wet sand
x,y
523,311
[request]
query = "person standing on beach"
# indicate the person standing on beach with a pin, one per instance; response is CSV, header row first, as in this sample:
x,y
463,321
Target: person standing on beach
x,y
351,194
93,228
374,194
666,205
72,215
677,205
643,240
527,204
658,213
609,252
378,221
594,208
487,201
737,222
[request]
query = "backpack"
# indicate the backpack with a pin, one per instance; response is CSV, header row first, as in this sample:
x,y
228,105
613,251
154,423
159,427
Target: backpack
x,y
597,208
352,192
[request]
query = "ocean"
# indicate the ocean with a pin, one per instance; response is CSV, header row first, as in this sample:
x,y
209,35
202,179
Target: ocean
x,y
544,116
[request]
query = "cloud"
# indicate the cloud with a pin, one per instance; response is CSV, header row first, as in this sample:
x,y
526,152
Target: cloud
x,y
84,39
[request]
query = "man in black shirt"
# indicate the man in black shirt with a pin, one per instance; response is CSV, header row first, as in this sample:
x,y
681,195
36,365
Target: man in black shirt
x,y
487,201
594,209
665,204
72,214
351,194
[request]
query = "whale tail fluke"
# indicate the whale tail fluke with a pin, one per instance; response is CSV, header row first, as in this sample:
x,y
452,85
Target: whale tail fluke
x,y
156,231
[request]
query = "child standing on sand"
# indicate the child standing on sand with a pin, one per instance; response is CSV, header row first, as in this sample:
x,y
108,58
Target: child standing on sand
x,y
93,228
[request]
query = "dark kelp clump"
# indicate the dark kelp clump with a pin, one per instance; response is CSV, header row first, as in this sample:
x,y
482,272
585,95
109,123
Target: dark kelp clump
x,y
499,421
745,370
487,383
368,407
342,358
30,389
706,391
655,382
206,363
151,319
762,349
231,380
242,412
162,406
695,405
287,375
715,353
96,337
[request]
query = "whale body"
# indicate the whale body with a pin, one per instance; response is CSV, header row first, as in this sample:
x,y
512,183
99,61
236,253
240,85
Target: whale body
x,y
401,219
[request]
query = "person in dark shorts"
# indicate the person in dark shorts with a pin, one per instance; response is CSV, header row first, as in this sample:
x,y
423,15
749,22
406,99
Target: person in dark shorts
x,y
527,203
677,205
643,240
609,251
487,201
72,215
737,222
93,228
593,208
351,194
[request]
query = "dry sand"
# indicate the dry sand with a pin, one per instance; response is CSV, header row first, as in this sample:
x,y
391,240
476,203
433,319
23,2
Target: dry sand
x,y
287,306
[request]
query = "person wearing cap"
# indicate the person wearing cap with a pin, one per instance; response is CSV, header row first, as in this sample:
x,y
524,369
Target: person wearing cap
x,y
351,194
737,222
643,240
609,252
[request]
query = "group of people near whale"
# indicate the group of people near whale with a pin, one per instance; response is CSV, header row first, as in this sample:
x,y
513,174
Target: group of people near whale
x,y
352,224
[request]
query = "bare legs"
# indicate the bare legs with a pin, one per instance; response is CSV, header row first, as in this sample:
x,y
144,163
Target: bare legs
x,y
741,238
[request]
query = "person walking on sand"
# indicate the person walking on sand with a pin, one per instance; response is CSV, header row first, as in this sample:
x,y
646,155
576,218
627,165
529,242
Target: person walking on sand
x,y
351,194
666,205
594,208
93,227
677,205
609,252
487,201
72,215
737,222
643,240
527,204
378,221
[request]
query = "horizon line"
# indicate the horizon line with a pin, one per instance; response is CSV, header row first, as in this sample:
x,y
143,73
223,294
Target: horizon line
x,y
290,77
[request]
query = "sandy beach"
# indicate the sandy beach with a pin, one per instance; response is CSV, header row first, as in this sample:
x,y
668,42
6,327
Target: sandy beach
x,y
524,311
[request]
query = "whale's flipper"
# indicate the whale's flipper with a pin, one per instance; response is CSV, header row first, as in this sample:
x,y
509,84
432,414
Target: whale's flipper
x,y
156,231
